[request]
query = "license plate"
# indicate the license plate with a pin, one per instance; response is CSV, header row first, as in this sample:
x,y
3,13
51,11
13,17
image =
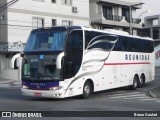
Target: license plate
x,y
37,94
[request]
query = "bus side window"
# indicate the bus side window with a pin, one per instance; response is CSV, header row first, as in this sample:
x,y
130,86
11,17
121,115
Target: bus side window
x,y
118,45
75,40
89,35
124,45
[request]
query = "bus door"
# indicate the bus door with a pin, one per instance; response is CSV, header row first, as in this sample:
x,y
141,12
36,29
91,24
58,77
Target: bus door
x,y
73,54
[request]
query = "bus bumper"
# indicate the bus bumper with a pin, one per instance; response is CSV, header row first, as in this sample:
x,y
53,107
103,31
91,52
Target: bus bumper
x,y
43,93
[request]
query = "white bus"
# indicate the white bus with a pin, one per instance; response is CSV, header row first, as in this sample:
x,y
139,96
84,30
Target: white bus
x,y
61,62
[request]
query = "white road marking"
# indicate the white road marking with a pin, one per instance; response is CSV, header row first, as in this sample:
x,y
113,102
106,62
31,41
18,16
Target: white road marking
x,y
134,96
145,97
148,99
130,93
127,96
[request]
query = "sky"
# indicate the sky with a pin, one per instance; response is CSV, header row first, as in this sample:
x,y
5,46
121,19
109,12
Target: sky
x,y
153,5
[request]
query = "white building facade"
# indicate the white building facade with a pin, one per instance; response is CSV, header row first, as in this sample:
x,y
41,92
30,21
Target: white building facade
x,y
18,18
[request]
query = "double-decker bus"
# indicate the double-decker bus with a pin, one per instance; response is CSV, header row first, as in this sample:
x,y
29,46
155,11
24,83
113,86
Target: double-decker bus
x,y
60,62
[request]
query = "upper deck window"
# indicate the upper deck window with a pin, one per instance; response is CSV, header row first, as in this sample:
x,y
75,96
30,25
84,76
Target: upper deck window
x,y
46,40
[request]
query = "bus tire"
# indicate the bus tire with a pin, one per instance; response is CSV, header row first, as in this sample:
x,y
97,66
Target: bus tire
x,y
141,81
87,90
135,83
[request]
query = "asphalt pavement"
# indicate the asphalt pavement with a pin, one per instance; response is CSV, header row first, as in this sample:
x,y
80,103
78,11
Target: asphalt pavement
x,y
120,99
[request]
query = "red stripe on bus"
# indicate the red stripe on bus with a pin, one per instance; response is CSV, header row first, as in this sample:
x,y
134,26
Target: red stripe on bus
x,y
127,63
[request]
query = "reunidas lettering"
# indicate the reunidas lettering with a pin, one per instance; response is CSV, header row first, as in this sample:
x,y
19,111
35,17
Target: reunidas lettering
x,y
136,57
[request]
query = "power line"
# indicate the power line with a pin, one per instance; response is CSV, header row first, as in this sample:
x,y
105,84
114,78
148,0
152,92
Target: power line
x,y
8,4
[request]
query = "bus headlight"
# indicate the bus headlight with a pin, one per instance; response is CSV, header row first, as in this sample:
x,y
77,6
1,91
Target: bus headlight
x,y
55,88
24,87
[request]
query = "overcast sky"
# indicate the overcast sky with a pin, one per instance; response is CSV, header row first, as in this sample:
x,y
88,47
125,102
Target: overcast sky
x,y
153,5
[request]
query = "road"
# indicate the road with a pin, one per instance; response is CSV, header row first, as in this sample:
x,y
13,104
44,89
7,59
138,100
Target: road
x,y
120,99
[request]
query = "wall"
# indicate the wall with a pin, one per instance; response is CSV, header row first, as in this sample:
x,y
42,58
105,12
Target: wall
x,y
9,74
20,16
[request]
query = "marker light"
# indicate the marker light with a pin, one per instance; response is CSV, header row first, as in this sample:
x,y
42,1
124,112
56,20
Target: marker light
x,y
56,88
25,87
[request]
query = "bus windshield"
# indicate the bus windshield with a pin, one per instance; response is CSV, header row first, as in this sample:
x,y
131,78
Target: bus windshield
x,y
46,40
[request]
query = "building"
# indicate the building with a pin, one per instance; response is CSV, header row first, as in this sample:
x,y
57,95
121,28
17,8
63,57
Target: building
x,y
115,14
157,55
152,28
19,17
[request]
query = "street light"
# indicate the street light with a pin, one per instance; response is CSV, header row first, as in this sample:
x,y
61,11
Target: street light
x,y
144,12
138,18
130,19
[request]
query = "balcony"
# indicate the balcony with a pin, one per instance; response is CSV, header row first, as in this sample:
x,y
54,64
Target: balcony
x,y
113,17
119,18
114,20
12,46
134,20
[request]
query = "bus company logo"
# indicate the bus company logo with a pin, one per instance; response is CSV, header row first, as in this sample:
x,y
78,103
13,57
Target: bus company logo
x,y
136,57
38,86
84,68
158,53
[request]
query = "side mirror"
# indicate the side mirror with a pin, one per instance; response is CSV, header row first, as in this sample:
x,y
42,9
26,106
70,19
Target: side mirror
x,y
14,59
22,55
59,59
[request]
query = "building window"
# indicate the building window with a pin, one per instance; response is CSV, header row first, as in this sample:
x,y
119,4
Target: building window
x,y
37,22
54,22
107,12
67,2
67,23
2,17
53,1
125,12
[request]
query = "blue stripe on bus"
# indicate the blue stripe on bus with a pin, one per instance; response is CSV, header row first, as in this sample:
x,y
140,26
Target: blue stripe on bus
x,y
40,85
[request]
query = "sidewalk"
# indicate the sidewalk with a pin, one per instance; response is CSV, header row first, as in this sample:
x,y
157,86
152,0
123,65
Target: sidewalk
x,y
155,93
7,83
2,80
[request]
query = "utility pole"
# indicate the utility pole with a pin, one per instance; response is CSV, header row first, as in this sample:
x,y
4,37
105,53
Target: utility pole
x,y
130,20
130,17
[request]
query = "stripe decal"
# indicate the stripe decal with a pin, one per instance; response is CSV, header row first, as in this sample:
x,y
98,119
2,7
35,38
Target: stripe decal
x,y
137,63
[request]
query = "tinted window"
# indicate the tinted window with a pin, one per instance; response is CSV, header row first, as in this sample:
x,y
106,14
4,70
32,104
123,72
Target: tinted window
x,y
89,35
133,45
75,40
121,44
46,40
97,40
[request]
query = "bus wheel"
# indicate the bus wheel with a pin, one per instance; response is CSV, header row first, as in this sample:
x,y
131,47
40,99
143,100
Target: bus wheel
x,y
135,83
141,81
87,89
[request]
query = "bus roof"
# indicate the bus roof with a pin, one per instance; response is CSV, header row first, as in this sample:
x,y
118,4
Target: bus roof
x,y
117,32
110,31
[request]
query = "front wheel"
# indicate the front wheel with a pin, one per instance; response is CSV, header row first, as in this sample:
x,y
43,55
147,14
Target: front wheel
x,y
86,90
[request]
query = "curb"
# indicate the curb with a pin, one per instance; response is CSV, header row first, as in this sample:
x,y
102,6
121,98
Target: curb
x,y
154,93
2,80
